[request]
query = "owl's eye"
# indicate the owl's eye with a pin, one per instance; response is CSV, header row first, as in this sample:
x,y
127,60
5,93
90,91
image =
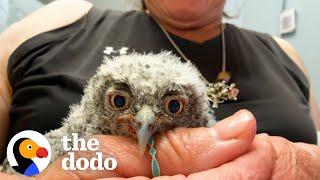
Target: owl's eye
x,y
175,106
119,101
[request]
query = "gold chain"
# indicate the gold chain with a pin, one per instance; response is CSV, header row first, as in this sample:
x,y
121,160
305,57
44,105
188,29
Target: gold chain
x,y
219,91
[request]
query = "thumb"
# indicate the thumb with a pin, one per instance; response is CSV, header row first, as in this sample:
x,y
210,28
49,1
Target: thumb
x,y
185,151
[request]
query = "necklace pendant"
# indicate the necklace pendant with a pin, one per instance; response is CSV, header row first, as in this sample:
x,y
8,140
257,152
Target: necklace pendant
x,y
220,92
224,76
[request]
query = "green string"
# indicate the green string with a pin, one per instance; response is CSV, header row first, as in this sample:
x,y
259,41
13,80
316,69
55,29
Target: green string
x,y
154,163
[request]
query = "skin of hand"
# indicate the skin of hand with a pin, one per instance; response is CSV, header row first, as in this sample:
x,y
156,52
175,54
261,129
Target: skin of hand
x,y
200,148
229,150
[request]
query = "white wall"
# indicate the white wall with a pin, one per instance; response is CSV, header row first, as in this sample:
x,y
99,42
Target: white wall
x,y
116,4
4,14
14,10
307,38
264,16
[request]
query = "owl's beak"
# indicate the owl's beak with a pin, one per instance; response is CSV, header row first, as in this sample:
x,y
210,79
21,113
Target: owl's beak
x,y
144,122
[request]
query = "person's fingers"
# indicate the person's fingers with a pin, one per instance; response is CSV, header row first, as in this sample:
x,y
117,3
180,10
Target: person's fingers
x,y
258,163
133,178
296,160
180,151
185,151
124,150
175,177
14,177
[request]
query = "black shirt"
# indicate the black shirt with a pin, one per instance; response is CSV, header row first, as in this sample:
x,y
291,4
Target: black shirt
x,y
48,72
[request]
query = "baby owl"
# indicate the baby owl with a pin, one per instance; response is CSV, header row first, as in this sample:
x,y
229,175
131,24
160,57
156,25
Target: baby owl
x,y
137,95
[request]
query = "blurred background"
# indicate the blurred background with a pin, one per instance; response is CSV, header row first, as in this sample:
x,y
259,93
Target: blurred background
x,y
296,21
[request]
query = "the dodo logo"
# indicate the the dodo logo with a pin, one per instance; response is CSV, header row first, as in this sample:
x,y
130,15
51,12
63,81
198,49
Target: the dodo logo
x,y
29,152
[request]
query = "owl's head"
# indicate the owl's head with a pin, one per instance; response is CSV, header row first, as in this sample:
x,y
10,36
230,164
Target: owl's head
x,y
138,95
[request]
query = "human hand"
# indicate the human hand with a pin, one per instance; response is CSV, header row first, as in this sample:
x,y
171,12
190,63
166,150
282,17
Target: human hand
x,y
180,151
190,152
268,158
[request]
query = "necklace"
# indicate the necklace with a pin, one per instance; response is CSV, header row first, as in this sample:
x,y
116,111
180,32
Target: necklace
x,y
218,91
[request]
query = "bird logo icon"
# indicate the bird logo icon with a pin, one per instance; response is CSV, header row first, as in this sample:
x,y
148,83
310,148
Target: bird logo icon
x,y
29,153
